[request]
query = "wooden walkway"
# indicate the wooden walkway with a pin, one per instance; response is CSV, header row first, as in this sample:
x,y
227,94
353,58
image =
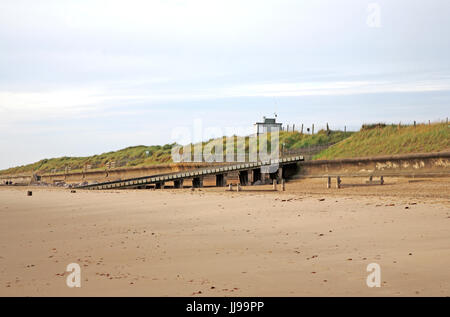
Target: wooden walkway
x,y
159,180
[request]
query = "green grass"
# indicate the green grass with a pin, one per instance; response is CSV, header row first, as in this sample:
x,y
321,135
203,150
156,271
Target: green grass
x,y
372,140
131,156
382,139
292,140
137,156
296,140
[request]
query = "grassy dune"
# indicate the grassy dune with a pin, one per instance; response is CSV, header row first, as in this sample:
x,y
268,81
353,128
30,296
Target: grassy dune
x,y
375,140
128,157
371,140
150,155
296,140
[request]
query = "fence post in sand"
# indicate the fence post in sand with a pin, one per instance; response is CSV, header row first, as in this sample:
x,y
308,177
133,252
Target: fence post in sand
x,y
283,185
338,182
329,182
274,184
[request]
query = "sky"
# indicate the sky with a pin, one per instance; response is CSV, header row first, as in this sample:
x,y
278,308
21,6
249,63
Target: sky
x,y
79,78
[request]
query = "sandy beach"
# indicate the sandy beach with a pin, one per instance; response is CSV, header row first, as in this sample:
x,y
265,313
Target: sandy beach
x,y
307,241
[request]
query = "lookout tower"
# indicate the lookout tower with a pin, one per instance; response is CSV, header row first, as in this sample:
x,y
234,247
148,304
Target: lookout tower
x,y
268,125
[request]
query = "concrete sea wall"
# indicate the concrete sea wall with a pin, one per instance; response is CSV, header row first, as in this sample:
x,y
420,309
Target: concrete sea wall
x,y
411,165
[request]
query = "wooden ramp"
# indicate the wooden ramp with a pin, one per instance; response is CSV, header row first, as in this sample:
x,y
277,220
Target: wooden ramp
x,y
157,180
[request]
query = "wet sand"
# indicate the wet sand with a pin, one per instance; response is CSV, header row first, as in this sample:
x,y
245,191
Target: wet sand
x,y
307,241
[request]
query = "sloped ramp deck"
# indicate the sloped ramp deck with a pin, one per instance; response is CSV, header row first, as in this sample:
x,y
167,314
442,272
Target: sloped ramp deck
x,y
157,179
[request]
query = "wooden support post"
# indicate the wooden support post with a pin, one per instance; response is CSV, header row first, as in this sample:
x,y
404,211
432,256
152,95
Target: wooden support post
x,y
283,185
221,180
280,174
381,180
338,182
329,182
178,183
250,177
274,184
302,129
312,131
197,182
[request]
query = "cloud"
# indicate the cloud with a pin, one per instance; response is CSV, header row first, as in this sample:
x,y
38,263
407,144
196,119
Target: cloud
x,y
336,88
28,105
16,106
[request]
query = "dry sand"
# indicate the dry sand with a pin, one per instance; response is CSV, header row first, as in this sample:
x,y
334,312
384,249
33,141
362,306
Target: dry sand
x,y
307,241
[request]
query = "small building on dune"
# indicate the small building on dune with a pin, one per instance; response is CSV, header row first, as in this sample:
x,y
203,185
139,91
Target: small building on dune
x,y
268,125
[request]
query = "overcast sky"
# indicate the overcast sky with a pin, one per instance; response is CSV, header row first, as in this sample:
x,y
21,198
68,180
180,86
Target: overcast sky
x,y
85,77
